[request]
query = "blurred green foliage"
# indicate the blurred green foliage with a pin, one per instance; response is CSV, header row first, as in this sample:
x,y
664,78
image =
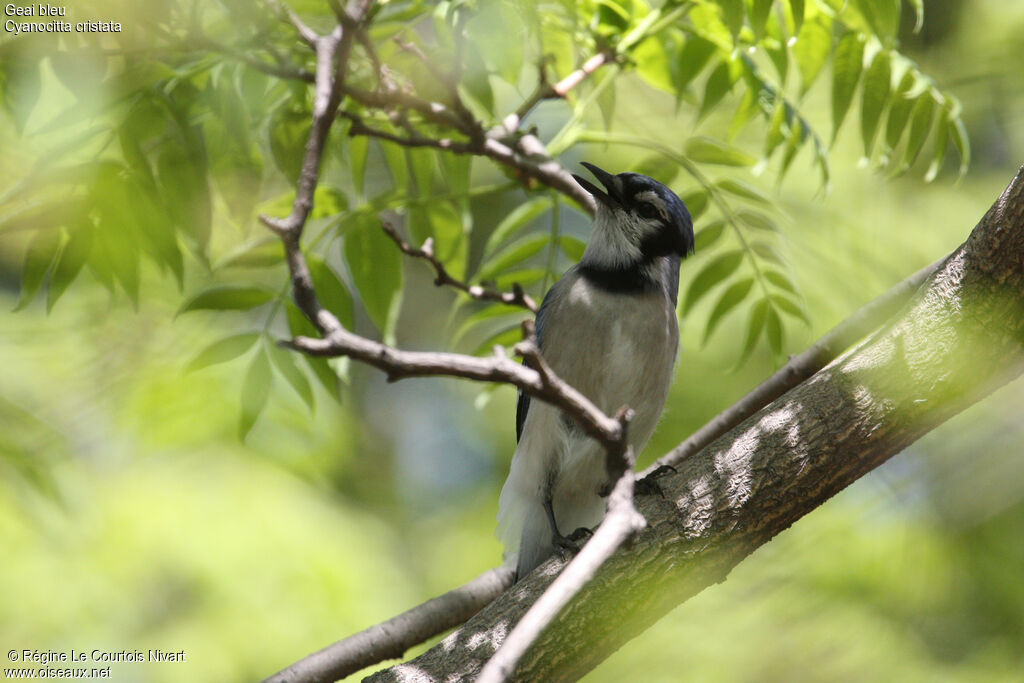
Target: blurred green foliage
x,y
132,516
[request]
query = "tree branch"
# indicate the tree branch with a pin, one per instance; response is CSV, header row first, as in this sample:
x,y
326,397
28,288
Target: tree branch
x,y
621,522
517,297
390,639
960,338
862,322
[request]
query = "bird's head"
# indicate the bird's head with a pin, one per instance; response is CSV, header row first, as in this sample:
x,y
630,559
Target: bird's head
x,y
638,220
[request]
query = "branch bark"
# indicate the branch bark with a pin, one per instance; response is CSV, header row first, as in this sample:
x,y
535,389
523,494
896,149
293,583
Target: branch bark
x,y
960,338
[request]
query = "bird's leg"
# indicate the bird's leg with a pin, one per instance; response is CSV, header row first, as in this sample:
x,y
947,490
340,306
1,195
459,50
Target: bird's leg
x,y
565,544
649,485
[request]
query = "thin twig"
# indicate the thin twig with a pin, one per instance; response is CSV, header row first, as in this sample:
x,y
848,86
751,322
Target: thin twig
x,y
517,297
286,14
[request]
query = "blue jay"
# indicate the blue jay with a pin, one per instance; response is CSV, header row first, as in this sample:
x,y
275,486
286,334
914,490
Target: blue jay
x,y
607,327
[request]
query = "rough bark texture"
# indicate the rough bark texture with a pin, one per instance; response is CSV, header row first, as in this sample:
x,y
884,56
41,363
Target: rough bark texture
x,y
958,339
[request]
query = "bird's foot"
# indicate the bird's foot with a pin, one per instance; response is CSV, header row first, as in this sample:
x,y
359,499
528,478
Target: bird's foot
x,y
568,546
648,486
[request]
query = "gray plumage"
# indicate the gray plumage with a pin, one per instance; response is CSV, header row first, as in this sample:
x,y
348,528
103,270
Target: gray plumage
x,y
608,327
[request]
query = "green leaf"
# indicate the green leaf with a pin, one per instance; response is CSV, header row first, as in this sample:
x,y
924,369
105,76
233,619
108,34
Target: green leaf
x,y
69,262
920,125
331,291
941,138
327,201
741,188
227,298
659,167
773,330
376,267
883,16
767,252
718,84
918,6
691,61
255,392
755,327
714,272
811,49
708,235
186,193
779,280
756,220
358,148
847,65
285,363
514,254
877,87
791,308
450,243
520,217
509,336
289,129
260,253
696,201
299,326
797,9
39,256
573,247
900,110
733,295
759,10
524,277
962,144
653,64
705,150
732,15
20,78
223,350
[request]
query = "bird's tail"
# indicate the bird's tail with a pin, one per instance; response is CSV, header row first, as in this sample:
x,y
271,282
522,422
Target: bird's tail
x,y
522,523
535,544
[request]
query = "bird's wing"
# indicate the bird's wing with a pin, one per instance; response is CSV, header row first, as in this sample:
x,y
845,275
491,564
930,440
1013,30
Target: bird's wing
x,y
523,404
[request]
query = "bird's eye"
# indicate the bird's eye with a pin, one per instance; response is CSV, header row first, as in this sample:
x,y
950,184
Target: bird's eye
x,y
647,210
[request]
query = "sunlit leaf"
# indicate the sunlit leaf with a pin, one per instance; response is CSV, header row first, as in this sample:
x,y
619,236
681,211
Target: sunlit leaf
x,y
227,298
877,87
223,350
941,139
718,84
811,49
920,125
846,68
732,15
696,201
743,189
756,220
691,61
962,144
773,330
759,15
255,392
284,362
779,280
900,110
260,253
788,306
707,150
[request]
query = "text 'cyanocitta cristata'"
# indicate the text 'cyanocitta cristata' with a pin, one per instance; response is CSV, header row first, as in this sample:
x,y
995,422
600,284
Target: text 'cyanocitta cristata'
x,y
607,327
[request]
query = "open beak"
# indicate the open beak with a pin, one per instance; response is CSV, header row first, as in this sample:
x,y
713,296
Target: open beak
x,y
610,197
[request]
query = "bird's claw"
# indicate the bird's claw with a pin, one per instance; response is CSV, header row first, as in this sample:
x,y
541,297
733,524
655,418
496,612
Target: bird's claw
x,y
648,486
571,544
